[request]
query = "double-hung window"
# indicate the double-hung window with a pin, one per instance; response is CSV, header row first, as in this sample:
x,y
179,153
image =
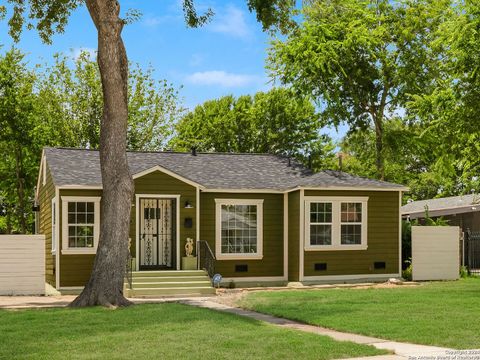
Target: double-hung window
x,y
80,224
239,233
336,223
321,223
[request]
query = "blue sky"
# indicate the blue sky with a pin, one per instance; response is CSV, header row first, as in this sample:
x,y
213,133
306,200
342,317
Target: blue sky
x,y
226,56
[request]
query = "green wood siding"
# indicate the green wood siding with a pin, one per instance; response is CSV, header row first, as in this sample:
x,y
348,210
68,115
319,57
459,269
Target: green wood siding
x,y
75,269
293,235
45,195
382,240
272,262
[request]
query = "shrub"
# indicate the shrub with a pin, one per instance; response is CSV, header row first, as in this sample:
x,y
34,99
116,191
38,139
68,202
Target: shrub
x,y
464,272
407,273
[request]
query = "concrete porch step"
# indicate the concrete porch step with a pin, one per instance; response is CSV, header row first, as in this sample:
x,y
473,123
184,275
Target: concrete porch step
x,y
145,279
168,273
175,291
170,284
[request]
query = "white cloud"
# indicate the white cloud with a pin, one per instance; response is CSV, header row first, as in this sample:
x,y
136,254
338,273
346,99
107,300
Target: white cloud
x,y
222,78
232,22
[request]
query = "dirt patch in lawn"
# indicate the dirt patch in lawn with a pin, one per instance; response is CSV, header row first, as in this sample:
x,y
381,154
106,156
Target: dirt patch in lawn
x,y
232,297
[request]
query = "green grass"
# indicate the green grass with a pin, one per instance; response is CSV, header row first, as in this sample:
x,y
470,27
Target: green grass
x,y
441,313
161,331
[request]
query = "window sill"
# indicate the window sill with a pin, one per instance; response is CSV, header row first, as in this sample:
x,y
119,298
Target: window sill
x,y
238,257
88,251
335,247
54,252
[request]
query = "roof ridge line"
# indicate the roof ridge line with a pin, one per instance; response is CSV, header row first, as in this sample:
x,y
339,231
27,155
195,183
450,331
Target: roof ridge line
x,y
170,152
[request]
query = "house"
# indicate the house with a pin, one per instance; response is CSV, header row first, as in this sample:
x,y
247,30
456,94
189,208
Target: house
x,y
462,211
266,219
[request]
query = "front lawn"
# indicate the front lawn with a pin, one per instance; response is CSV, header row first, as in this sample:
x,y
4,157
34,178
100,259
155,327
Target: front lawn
x,y
161,331
438,313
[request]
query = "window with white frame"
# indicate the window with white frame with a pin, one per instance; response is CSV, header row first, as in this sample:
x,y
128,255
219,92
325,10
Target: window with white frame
x,y
80,223
321,223
54,223
336,223
351,223
239,233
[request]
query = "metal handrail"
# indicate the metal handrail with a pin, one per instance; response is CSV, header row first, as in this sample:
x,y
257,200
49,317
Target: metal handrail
x,y
129,270
205,257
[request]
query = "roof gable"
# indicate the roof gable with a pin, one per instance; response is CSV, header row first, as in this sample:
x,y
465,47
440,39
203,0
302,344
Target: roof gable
x,y
166,171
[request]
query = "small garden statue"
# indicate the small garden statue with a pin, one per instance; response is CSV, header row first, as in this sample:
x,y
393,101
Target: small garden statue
x,y
189,248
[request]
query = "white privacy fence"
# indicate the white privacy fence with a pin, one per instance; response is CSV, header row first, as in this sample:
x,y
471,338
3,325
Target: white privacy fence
x,y
435,252
22,264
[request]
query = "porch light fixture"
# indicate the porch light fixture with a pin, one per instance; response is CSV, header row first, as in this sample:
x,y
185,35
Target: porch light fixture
x,y
188,205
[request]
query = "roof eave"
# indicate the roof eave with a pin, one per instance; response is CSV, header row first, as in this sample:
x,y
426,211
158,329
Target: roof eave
x,y
442,211
350,188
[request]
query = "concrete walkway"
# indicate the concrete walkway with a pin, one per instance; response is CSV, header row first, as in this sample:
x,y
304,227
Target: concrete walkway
x,y
401,350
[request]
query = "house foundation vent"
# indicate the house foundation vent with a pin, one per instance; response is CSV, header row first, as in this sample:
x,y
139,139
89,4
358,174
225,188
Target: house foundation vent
x,y
241,268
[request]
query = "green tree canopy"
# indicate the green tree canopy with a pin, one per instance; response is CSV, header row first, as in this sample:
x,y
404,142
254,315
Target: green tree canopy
x,y
18,140
361,59
451,112
269,122
412,158
72,96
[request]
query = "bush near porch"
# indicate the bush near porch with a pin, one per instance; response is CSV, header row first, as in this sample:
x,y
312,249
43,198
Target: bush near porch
x,y
437,313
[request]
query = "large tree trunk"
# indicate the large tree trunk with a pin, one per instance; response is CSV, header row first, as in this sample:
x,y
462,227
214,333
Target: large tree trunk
x,y
8,218
379,160
105,286
378,117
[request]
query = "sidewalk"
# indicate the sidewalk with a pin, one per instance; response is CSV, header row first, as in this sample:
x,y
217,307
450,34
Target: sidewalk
x,y
31,302
38,302
401,350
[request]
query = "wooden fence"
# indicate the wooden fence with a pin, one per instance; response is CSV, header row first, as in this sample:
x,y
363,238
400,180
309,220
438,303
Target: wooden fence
x,y
435,252
22,265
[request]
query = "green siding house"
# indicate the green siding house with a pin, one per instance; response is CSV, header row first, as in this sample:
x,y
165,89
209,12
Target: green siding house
x,y
266,219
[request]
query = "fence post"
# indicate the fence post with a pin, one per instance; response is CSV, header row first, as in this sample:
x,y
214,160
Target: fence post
x,y
467,250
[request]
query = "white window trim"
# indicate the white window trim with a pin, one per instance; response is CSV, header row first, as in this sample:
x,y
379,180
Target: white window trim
x,y
336,223
96,227
44,171
54,225
218,229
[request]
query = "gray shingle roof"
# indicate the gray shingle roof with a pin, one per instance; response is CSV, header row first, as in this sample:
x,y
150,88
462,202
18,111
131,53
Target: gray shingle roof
x,y
452,203
209,170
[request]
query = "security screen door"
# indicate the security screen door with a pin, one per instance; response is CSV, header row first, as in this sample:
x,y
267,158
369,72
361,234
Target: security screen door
x,y
157,233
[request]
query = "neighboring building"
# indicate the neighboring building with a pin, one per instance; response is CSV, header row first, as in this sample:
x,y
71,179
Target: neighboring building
x,y
267,219
462,211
